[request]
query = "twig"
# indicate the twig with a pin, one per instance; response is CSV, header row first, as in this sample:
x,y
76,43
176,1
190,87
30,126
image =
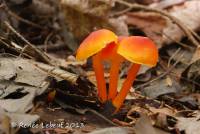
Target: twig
x,y
181,25
162,75
102,116
173,55
5,7
51,70
24,20
195,34
186,79
53,48
46,41
66,106
180,43
15,49
22,50
42,55
121,12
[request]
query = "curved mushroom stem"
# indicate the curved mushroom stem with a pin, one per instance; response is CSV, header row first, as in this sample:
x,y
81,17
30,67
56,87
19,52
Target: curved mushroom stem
x,y
114,73
99,72
119,99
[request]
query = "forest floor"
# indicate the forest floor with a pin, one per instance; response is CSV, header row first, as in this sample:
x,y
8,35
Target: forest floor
x,y
44,89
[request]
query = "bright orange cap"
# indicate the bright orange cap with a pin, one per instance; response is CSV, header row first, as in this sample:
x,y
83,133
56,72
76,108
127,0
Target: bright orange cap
x,y
94,43
140,50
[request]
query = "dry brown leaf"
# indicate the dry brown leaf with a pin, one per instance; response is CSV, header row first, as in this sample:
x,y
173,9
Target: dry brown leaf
x,y
144,2
189,125
163,31
144,126
187,13
114,130
88,129
85,16
166,4
119,25
163,110
160,121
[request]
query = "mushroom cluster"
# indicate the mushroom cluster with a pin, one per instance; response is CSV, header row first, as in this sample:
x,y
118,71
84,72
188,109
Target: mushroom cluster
x,y
104,45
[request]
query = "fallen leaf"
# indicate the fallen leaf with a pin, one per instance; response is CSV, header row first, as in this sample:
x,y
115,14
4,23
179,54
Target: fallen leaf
x,y
145,2
19,87
189,125
192,74
114,130
164,121
23,104
120,25
189,101
18,119
188,14
88,129
163,110
160,87
166,4
86,15
163,31
90,15
144,126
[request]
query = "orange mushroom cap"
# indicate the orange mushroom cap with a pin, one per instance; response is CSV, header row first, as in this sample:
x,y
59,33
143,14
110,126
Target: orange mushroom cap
x,y
95,42
140,50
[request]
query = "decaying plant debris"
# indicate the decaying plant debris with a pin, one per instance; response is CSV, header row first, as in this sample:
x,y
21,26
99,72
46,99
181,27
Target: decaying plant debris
x,y
41,83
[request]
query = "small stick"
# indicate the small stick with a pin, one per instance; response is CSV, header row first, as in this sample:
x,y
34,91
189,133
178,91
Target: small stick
x,y
101,116
180,43
162,75
15,49
53,48
51,70
44,57
46,41
173,55
121,12
23,20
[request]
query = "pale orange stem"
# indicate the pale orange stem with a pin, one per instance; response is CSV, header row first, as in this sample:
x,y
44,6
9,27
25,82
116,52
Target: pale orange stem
x,y
132,73
113,82
99,72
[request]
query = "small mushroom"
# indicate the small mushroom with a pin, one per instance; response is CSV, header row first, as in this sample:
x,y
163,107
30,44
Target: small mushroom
x,y
105,45
94,45
138,50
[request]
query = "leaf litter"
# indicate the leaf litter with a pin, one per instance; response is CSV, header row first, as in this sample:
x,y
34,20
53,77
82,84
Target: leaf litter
x,y
164,99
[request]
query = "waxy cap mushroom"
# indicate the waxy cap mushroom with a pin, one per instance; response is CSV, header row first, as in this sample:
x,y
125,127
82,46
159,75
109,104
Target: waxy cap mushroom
x,y
105,45
98,44
94,43
140,51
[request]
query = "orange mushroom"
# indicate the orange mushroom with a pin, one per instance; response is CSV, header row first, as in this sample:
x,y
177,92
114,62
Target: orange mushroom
x,y
105,45
94,46
139,50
